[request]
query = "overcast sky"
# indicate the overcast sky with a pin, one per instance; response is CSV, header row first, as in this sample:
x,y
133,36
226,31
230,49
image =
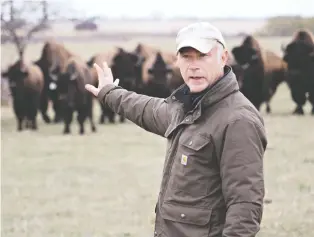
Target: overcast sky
x,y
201,8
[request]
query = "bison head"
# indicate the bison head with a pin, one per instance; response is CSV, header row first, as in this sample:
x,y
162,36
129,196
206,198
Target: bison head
x,y
123,67
140,58
69,84
16,74
298,55
160,71
245,56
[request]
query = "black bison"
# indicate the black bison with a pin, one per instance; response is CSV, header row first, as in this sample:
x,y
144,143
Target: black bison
x,y
157,70
52,61
299,55
263,71
237,70
158,74
72,95
143,52
26,85
122,64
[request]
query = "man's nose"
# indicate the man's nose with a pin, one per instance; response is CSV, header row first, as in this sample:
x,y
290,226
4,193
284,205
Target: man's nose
x,y
194,67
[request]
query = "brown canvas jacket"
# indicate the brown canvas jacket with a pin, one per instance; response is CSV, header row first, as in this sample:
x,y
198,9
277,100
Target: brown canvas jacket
x,y
213,182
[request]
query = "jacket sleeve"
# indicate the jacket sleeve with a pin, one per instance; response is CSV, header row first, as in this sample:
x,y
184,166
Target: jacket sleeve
x,y
241,167
150,113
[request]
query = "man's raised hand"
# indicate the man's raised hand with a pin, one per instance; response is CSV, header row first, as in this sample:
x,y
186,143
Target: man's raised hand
x,y
105,77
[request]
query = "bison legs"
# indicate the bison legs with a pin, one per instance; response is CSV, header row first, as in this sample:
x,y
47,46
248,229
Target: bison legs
x,y
33,101
311,94
103,114
110,115
53,95
311,99
102,118
91,120
106,112
19,123
44,107
122,119
20,118
271,85
90,113
68,115
81,117
267,101
299,97
19,108
268,109
58,113
298,93
268,96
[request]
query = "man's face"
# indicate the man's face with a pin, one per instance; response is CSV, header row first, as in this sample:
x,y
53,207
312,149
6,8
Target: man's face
x,y
200,70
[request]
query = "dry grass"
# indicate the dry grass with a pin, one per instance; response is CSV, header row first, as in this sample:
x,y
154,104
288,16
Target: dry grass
x,y
106,184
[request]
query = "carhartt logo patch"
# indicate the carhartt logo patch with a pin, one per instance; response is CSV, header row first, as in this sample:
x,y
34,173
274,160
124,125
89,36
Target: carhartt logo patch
x,y
184,159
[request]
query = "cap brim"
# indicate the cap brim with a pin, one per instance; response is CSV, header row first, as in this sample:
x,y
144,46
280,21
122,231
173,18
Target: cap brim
x,y
202,45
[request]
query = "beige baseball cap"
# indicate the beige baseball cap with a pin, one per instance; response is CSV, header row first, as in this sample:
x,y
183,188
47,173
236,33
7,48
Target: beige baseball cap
x,y
201,35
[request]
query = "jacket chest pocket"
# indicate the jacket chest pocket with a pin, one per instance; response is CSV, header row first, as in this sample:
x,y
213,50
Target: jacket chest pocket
x,y
191,170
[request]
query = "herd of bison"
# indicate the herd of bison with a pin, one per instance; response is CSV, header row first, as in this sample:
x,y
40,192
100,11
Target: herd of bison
x,y
59,76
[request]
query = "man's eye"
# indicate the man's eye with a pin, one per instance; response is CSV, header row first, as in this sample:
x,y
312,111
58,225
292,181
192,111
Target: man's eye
x,y
203,55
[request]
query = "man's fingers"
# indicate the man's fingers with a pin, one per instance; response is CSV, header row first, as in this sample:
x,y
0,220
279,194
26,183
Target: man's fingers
x,y
99,70
92,89
105,65
107,70
104,72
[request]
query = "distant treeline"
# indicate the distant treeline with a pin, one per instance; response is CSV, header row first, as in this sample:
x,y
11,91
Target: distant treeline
x,y
286,26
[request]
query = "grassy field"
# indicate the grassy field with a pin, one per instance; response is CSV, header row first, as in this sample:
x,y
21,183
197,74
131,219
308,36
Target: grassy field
x,y
106,183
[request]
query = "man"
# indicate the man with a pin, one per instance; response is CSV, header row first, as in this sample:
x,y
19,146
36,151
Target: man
x,y
212,182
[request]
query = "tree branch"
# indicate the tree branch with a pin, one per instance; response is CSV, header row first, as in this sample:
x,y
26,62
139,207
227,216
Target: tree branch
x,y
12,28
8,27
35,28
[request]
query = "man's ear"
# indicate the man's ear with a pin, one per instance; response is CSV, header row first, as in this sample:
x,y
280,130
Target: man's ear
x,y
224,58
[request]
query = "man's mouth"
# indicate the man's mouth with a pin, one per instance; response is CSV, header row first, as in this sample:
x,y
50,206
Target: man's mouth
x,y
196,78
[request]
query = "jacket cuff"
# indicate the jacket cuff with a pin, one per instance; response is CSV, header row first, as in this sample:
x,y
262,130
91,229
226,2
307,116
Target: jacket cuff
x,y
104,91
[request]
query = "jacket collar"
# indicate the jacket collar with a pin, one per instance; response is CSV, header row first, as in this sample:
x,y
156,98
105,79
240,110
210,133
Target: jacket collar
x,y
219,90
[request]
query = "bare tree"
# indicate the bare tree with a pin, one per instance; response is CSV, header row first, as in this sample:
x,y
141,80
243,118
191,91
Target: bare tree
x,y
20,21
